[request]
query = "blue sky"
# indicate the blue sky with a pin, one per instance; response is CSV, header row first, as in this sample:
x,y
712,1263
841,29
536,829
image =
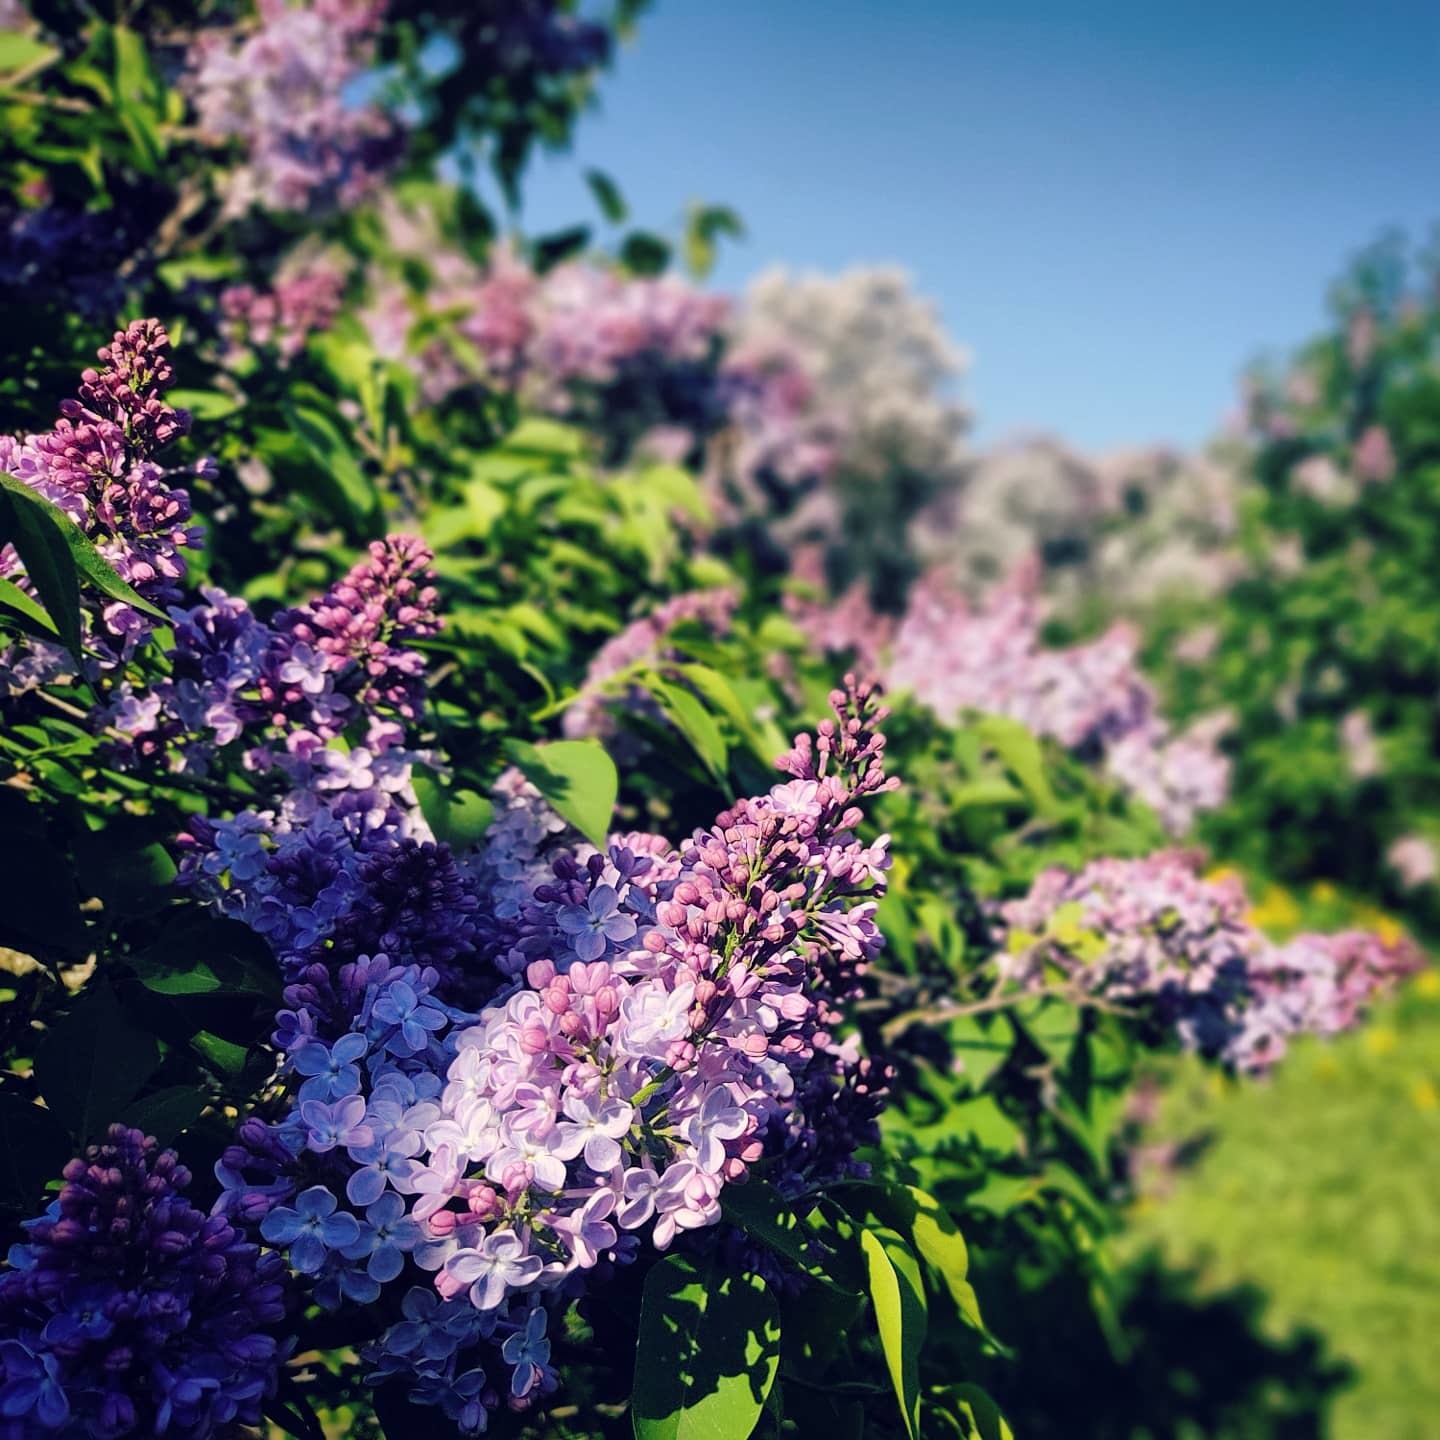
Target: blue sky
x,y
1116,205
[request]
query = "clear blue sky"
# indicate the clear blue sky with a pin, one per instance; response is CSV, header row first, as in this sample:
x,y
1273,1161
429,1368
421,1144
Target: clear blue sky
x,y
1116,205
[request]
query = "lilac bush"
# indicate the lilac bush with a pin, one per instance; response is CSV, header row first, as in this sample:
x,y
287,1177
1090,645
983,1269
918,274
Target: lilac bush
x,y
664,1022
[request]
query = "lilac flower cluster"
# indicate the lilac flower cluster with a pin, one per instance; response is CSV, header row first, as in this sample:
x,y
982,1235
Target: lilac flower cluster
x,y
643,360
667,1021
780,439
1153,936
537,38
956,657
278,88
283,318
127,1311
52,252
643,641
97,466
294,685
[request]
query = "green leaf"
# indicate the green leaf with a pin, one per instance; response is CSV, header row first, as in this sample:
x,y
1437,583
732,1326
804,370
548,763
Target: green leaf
x,y
85,559
577,778
759,1210
39,904
34,1147
703,227
224,1057
708,1352
694,722
27,523
458,817
922,1221
128,876
549,438
980,1051
642,253
19,51
979,1415
94,1061
31,615
197,978
205,404
940,1242
165,1113
607,196
550,250
350,488
1021,752
198,954
898,1295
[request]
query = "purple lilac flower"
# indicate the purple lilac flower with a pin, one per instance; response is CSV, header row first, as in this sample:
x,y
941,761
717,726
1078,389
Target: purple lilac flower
x,y
1155,937
282,319
96,465
957,658
311,1227
596,925
527,1351
279,89
129,1312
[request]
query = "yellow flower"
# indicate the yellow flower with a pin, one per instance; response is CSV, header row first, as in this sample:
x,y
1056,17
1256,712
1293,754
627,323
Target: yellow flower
x,y
1427,983
1425,1095
1380,1039
1390,931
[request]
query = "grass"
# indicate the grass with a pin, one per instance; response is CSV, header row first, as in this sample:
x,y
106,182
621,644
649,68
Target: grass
x,y
1321,1188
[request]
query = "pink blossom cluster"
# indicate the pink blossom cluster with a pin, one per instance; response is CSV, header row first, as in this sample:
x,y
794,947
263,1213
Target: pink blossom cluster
x,y
283,317
959,657
277,88
1157,938
647,361
290,687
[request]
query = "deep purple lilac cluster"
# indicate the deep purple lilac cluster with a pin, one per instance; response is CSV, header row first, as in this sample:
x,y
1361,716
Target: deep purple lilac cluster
x,y
57,253
98,466
278,89
127,1311
1156,937
666,1023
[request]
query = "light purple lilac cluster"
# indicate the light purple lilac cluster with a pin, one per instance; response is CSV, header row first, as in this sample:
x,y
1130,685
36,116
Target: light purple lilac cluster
x,y
666,1023
643,641
277,87
1154,936
127,1311
97,465
958,657
282,318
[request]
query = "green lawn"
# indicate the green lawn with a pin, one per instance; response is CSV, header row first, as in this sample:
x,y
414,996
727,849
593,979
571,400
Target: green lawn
x,y
1322,1190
